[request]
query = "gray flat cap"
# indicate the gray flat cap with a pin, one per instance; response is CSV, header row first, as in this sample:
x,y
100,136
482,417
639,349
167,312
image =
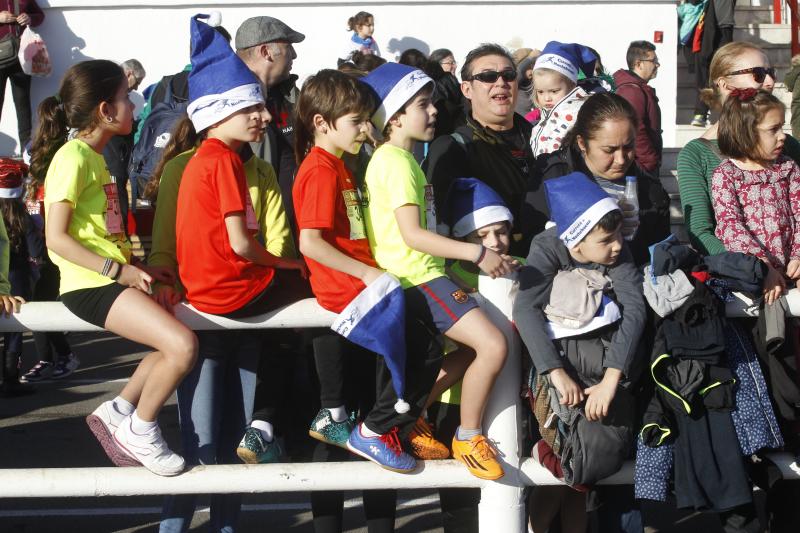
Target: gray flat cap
x,y
257,30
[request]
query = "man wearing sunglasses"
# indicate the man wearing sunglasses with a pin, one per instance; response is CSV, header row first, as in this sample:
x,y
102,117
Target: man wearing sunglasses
x,y
493,146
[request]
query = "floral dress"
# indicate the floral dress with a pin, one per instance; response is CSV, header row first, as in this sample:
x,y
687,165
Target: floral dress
x,y
758,211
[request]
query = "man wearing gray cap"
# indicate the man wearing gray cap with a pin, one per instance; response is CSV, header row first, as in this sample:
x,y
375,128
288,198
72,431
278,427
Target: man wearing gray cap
x,y
265,45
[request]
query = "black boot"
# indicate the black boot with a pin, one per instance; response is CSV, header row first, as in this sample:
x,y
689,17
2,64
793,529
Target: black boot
x,y
11,385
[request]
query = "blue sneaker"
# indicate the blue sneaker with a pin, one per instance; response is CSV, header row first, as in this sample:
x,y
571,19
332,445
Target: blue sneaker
x,y
384,450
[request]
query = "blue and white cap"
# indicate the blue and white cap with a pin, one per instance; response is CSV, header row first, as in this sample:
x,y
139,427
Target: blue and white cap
x,y
567,59
576,206
394,85
472,204
220,84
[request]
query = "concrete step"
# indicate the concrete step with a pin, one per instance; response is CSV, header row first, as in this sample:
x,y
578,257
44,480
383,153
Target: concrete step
x,y
763,33
752,14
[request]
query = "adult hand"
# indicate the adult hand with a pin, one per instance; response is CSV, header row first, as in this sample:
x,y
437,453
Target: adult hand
x,y
7,17
136,278
571,394
23,19
166,296
10,304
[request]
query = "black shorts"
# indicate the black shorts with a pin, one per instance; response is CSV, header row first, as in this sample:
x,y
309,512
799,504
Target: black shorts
x,y
93,304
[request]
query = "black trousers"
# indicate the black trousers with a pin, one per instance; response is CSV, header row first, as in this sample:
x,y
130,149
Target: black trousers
x,y
21,92
46,290
355,388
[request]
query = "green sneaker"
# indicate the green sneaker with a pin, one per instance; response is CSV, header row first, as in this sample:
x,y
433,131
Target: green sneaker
x,y
255,450
324,428
700,121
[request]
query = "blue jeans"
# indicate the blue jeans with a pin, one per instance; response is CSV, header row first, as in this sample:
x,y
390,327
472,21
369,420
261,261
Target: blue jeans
x,y
215,404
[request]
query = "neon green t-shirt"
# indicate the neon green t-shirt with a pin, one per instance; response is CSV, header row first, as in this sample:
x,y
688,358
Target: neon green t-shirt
x,y
78,175
394,179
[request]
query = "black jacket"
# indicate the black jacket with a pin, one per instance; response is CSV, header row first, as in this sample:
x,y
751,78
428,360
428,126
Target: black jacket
x,y
485,155
653,199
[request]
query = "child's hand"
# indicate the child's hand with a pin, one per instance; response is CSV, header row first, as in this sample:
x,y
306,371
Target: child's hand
x,y
163,274
494,264
11,304
134,277
600,396
774,285
571,394
793,269
512,262
295,264
371,275
166,296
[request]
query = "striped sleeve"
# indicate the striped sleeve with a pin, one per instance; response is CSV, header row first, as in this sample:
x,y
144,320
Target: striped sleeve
x,y
696,162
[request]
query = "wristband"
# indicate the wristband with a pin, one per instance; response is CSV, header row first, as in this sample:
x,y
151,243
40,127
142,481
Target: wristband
x,y
106,267
481,256
116,276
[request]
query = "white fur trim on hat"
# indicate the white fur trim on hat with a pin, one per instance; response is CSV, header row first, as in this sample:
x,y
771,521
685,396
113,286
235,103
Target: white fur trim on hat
x,y
16,192
587,221
559,64
402,92
480,218
212,108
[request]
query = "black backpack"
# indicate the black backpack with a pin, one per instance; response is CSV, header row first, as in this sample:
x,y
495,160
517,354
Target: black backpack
x,y
156,133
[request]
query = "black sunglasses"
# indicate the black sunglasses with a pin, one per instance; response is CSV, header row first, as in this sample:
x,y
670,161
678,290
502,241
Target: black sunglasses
x,y
490,76
759,73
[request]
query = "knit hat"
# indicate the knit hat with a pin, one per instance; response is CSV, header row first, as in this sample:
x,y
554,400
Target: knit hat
x,y
394,85
472,204
567,59
220,84
12,172
576,206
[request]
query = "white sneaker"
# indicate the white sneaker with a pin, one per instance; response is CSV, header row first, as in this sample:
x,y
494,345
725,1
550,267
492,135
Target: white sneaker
x,y
104,422
150,450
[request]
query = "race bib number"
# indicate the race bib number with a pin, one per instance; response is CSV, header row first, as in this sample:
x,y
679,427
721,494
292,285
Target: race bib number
x,y
250,213
352,202
34,207
430,209
113,211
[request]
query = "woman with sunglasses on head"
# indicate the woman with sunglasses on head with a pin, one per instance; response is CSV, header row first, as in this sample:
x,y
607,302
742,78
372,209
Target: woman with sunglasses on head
x,y
737,65
493,145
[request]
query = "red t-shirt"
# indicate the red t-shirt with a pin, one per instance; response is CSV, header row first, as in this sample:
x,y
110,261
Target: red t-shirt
x,y
213,185
326,198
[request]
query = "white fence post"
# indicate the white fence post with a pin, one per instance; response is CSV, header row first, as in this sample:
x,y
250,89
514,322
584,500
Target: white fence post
x,y
501,507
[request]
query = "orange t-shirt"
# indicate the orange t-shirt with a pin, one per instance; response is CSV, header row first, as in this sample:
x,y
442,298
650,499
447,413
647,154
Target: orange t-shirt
x,y
213,186
326,198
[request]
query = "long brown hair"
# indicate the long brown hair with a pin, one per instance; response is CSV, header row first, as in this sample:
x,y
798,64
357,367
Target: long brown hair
x,y
595,111
332,94
83,88
15,217
183,138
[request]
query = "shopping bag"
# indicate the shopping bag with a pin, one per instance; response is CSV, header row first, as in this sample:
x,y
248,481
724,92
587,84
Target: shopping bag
x,y
33,56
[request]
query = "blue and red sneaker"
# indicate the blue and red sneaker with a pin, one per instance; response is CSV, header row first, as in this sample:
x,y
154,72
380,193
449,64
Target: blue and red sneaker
x,y
385,450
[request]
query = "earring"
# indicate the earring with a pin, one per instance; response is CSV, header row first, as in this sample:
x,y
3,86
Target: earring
x,y
109,120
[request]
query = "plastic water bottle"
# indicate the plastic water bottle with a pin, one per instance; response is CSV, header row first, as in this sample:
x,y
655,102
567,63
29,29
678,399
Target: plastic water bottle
x,y
630,208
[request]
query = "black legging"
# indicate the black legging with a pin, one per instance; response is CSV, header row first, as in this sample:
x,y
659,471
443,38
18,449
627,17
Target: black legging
x,y
21,92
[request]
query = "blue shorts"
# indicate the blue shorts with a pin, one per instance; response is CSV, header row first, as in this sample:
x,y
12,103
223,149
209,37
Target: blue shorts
x,y
440,302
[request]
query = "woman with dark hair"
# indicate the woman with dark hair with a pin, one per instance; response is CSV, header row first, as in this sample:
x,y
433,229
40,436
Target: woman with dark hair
x,y
446,60
449,102
601,145
413,58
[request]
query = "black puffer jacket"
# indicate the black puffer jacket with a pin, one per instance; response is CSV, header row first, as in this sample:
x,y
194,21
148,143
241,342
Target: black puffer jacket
x,y
653,199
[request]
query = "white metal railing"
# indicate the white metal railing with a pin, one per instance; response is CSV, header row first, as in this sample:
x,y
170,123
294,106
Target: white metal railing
x,y
501,507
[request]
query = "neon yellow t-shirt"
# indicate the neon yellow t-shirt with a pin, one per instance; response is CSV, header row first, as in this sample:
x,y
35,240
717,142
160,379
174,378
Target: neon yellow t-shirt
x,y
77,175
394,179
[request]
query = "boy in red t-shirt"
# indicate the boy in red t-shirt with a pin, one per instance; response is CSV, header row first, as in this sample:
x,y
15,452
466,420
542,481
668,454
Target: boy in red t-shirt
x,y
333,119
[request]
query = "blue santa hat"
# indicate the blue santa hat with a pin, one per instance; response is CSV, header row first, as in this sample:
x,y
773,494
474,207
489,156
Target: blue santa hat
x,y
220,84
567,59
394,85
472,204
576,206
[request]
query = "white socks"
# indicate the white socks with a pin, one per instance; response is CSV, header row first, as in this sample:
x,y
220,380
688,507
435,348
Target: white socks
x,y
339,414
467,434
265,428
123,406
142,427
368,432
